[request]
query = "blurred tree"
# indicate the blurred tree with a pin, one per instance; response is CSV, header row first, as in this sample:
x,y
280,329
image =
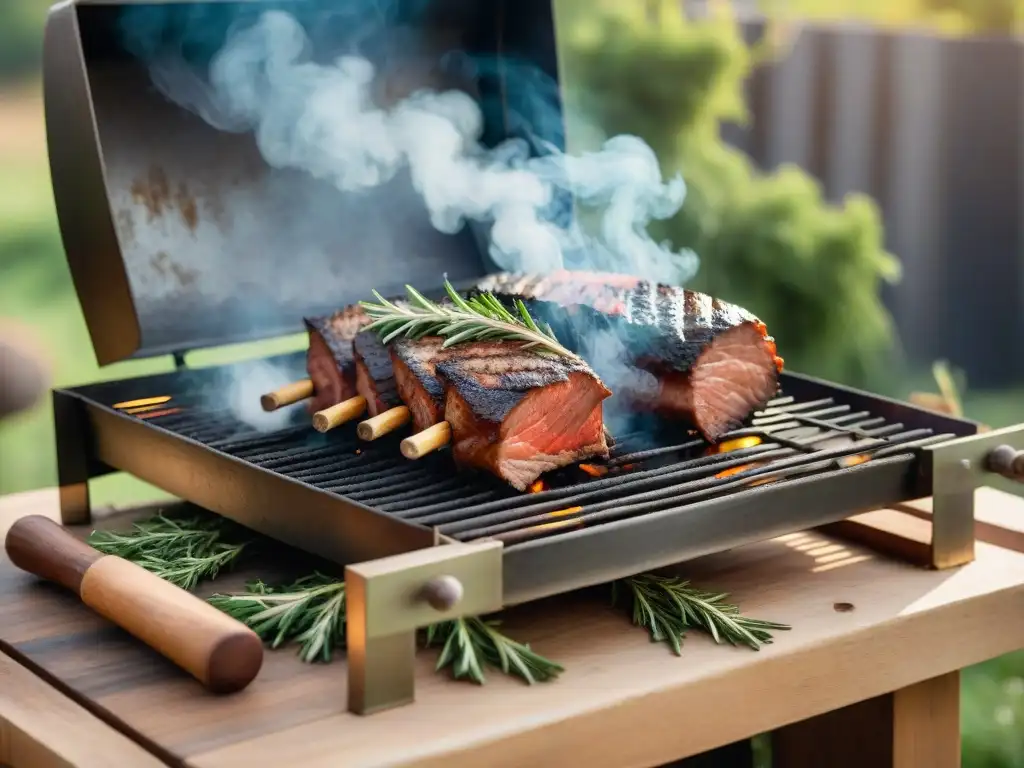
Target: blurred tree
x,y
21,24
768,242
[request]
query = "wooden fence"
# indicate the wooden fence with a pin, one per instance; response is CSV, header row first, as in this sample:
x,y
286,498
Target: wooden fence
x,y
933,129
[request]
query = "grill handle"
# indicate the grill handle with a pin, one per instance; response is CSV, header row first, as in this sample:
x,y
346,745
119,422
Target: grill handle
x,y
220,652
1007,461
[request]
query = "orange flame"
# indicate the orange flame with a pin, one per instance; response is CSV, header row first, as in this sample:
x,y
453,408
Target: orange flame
x,y
143,402
537,487
852,461
736,444
556,524
156,414
594,470
734,471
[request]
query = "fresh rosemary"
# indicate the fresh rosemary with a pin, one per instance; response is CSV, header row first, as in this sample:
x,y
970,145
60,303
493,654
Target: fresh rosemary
x,y
311,611
471,643
667,607
183,551
481,318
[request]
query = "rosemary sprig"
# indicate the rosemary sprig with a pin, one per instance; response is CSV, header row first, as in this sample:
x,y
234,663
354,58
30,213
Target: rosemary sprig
x,y
309,612
668,606
182,551
481,318
471,643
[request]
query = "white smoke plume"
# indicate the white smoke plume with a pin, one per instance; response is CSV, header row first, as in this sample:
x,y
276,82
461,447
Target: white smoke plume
x,y
322,119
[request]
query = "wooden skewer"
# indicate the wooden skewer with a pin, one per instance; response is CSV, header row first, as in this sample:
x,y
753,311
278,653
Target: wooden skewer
x,y
382,423
430,439
286,395
336,415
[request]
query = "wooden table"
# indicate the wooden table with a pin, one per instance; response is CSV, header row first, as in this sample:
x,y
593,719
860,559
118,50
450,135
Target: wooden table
x,y
76,691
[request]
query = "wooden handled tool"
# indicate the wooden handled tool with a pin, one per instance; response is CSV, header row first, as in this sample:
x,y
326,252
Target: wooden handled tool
x,y
383,423
430,439
336,415
222,653
287,395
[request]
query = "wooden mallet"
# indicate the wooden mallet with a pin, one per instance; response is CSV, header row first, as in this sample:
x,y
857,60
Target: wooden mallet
x,y
219,651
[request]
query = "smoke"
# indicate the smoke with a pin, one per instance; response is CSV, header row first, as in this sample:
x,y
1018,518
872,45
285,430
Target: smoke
x,y
243,385
328,119
323,119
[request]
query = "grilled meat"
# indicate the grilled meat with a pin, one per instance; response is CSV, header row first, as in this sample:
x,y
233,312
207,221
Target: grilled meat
x,y
330,361
518,414
414,363
708,362
375,379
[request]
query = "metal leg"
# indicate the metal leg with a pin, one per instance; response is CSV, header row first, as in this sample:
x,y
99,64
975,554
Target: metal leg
x,y
381,672
388,599
952,529
72,433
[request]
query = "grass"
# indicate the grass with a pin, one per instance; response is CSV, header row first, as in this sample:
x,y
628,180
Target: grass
x,y
36,289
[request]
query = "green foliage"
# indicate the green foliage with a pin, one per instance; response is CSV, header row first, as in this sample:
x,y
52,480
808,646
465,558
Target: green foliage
x,y
956,17
20,37
811,270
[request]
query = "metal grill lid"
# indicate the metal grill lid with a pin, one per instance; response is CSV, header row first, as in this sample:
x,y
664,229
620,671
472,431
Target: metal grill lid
x,y
180,236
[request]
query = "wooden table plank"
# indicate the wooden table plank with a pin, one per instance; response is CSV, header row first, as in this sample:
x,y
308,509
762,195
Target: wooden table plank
x,y
619,698
40,727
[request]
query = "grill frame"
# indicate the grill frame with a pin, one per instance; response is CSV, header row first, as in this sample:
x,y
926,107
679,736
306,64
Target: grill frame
x,y
94,439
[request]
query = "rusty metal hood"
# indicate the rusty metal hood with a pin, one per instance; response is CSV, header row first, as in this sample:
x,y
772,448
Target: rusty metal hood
x,y
179,235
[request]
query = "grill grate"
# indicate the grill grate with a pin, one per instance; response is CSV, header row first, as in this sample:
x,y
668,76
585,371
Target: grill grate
x,y
788,439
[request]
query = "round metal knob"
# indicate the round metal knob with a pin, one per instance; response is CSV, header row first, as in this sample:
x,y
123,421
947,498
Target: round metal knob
x,y
1006,461
443,593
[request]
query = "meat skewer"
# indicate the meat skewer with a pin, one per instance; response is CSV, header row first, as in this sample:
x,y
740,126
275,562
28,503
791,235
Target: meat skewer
x,y
375,381
712,363
289,394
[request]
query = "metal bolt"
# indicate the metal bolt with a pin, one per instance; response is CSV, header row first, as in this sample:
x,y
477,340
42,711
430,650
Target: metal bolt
x,y
1006,461
443,592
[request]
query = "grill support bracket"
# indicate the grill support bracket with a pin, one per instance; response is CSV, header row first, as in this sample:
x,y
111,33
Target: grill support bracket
x,y
955,469
389,599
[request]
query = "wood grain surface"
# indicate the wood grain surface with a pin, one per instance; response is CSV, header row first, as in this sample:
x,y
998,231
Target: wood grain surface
x,y
863,626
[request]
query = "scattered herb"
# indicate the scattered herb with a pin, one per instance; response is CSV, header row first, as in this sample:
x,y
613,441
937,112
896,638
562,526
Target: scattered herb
x,y
310,612
182,551
668,606
471,643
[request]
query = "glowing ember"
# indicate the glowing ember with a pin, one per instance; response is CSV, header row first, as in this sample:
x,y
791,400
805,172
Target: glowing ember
x,y
572,522
594,470
143,409
736,444
564,512
852,461
734,471
537,487
143,402
156,414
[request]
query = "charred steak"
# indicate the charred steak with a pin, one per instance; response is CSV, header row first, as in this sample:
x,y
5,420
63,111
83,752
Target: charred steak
x,y
709,362
330,360
375,379
518,414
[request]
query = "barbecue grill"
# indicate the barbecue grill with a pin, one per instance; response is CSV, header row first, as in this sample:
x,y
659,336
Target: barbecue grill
x,y
179,236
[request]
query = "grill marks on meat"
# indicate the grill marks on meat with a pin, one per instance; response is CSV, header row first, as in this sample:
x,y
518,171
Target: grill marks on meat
x,y
330,361
714,363
374,375
414,363
518,414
